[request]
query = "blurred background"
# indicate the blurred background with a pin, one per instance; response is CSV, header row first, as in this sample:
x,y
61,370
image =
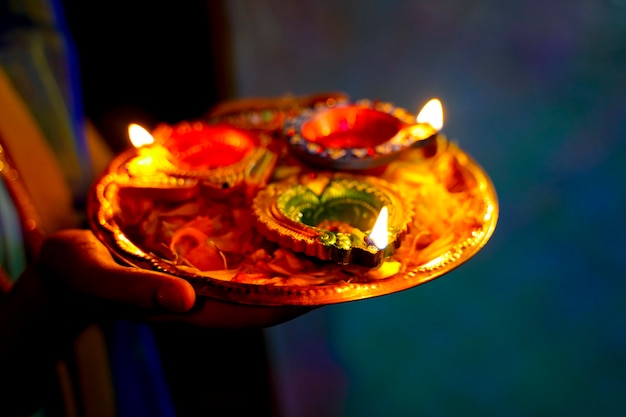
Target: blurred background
x,y
535,324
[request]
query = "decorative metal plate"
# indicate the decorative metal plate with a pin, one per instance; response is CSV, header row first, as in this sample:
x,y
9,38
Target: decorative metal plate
x,y
454,213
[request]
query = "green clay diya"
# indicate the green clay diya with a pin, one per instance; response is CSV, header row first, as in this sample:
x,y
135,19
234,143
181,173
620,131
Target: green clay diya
x,y
331,217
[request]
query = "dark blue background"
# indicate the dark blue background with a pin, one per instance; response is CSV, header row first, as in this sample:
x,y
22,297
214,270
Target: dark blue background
x,y
536,93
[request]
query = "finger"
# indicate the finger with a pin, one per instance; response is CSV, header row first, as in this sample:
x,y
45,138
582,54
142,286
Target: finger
x,y
77,259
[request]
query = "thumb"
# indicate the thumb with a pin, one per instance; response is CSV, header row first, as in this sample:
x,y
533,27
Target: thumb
x,y
78,260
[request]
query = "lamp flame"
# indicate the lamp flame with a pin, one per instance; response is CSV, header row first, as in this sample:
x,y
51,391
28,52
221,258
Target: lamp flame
x,y
139,136
432,114
379,235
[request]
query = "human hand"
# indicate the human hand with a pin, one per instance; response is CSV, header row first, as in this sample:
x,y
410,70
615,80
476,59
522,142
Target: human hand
x,y
75,263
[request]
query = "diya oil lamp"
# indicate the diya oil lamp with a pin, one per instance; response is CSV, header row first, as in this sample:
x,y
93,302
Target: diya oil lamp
x,y
217,158
337,217
269,113
361,136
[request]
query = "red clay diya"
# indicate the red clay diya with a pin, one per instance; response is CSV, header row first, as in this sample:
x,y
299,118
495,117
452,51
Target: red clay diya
x,y
331,216
220,156
355,137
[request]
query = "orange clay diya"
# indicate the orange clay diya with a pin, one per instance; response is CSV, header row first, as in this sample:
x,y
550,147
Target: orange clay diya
x,y
269,114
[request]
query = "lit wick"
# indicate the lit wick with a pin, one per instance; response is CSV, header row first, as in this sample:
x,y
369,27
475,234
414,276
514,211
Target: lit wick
x,y
432,114
428,123
149,154
139,136
379,236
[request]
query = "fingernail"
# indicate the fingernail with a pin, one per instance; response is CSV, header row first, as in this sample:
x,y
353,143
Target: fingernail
x,y
170,298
